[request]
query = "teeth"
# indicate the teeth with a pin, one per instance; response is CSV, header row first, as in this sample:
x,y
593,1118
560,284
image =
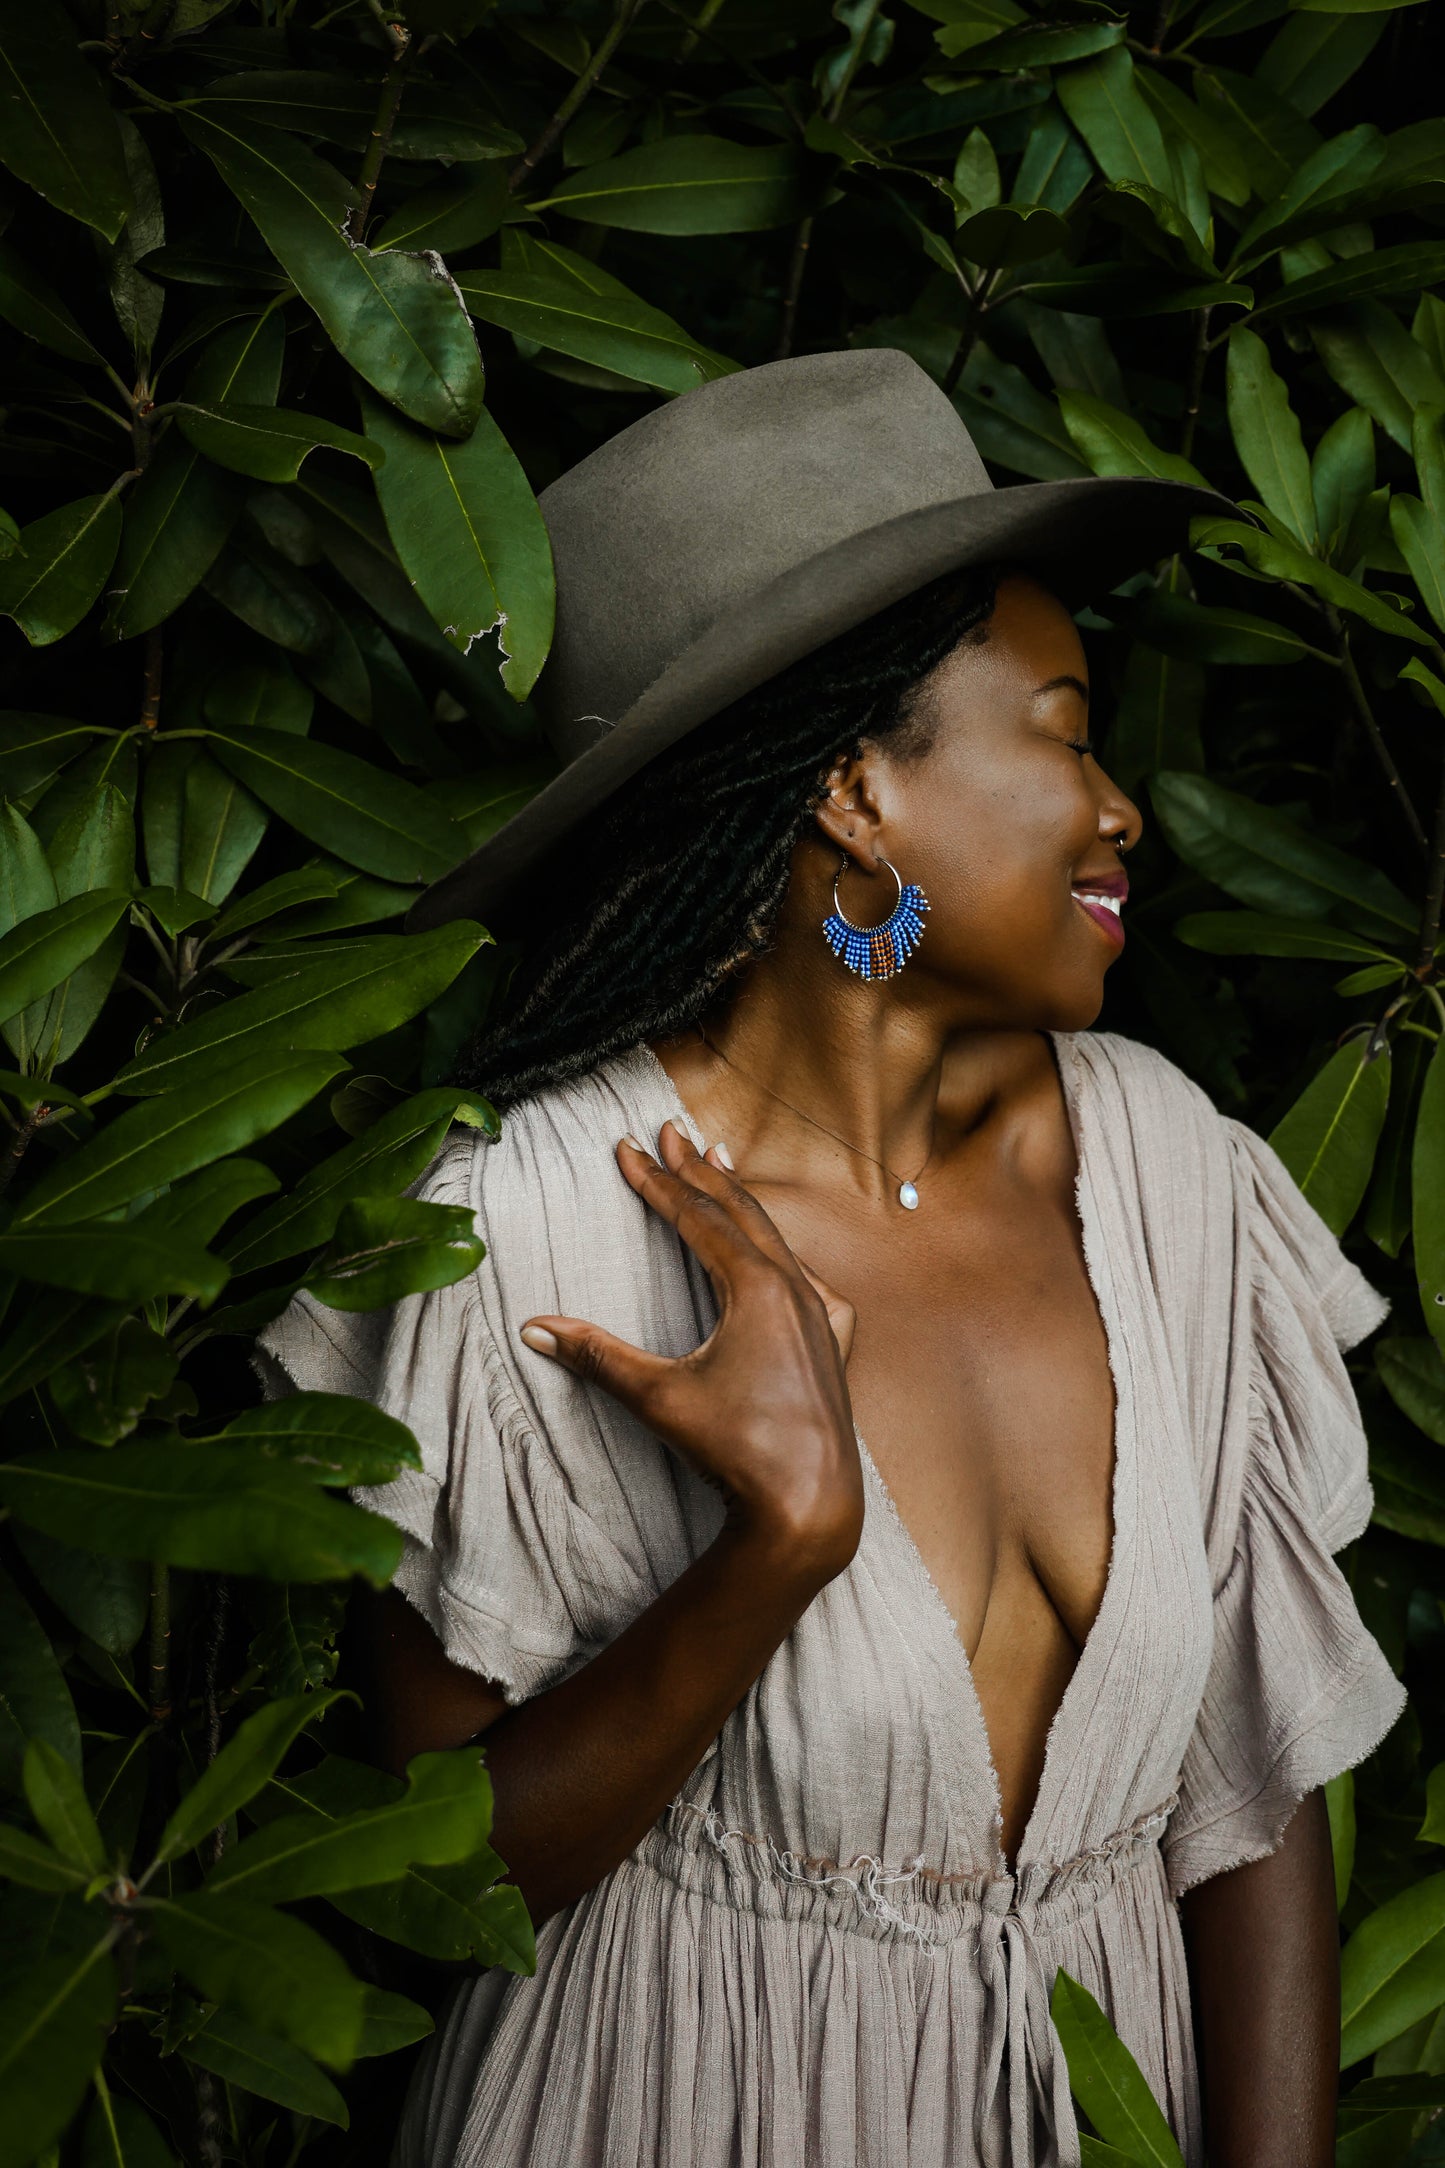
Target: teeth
x,y
1092,895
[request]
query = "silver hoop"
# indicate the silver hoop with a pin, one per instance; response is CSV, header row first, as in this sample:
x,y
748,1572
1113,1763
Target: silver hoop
x,y
838,908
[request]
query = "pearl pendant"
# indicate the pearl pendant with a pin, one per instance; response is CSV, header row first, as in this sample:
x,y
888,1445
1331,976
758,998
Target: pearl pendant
x,y
908,1197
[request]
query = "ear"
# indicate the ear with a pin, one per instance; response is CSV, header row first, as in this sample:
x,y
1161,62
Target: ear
x,y
849,816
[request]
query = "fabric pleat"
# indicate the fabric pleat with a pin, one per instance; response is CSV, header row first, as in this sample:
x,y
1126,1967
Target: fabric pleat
x,y
819,1952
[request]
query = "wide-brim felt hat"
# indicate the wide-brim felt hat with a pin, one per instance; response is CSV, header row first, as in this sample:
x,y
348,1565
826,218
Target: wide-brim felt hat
x,y
734,530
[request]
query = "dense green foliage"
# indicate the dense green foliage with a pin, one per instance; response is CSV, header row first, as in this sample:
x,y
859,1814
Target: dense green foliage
x,y
302,302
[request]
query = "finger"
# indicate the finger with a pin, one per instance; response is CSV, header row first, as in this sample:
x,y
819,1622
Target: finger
x,y
598,1357
709,1230
721,1183
841,1314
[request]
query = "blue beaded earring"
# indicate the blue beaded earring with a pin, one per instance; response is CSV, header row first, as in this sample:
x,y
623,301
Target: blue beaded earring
x,y
877,952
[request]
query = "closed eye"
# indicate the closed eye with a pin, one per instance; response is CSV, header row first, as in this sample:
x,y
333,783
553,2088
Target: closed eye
x,y
1080,745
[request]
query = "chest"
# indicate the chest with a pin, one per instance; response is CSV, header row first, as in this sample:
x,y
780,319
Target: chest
x,y
980,1377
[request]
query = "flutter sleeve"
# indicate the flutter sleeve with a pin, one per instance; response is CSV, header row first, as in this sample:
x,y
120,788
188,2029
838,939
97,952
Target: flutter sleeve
x,y
501,1556
1298,1689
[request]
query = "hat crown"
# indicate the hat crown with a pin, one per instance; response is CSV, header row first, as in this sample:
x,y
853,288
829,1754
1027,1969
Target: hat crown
x,y
696,509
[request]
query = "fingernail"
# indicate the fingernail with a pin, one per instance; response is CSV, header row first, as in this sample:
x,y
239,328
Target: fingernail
x,y
633,1145
538,1337
725,1156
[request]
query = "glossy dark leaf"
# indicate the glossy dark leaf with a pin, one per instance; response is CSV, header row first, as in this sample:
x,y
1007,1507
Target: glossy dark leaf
x,y
31,306
157,1143
1107,2082
267,1967
35,1701
60,567
327,1000
247,1761
119,2134
394,316
56,1798
106,1599
330,1438
433,122
205,1507
454,212
268,443
375,821
123,1263
232,2048
688,184
102,1393
1393,1969
1428,1189
1328,1138
57,131
34,749
43,950
385,1248
54,2017
617,331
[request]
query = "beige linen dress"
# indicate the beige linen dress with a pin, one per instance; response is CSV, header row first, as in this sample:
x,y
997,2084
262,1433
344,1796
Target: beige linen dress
x,y
818,1954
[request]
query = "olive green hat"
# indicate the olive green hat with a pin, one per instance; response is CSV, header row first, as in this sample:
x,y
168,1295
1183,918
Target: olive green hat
x,y
740,526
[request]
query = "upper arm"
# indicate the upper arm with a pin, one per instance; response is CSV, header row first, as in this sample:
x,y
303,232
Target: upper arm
x,y
417,1700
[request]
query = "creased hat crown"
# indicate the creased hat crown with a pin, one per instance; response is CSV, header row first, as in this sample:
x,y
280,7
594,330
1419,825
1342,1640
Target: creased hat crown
x,y
699,507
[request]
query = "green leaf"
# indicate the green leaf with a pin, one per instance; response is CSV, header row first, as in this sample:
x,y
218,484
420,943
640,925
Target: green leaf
x,y
284,893
1342,475
1266,433
45,949
1375,362
454,212
123,1264
1214,137
442,1912
372,819
267,1967
28,303
1333,175
32,1865
1011,233
470,538
1401,270
390,1154
688,184
1177,626
295,1644
432,122
1340,1804
247,1761
1013,424
1314,56
1272,138
60,567
1255,933
57,131
106,1599
1420,537
257,2062
396,318
1328,1138
34,749
35,1701
390,2022
268,443
1413,1372
445,1814
388,1247
205,1507
1117,124
617,332
181,510
1282,558
1427,443
1265,860
1114,443
1432,1829
57,1800
92,850
148,1146
1393,1969
102,1392
343,996
1107,2082
331,1438
54,2018
1428,1190
119,2134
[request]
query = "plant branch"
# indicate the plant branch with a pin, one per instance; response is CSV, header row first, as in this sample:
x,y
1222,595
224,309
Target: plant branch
x,y
403,51
1359,700
1434,889
797,265
24,1138
159,1672
581,90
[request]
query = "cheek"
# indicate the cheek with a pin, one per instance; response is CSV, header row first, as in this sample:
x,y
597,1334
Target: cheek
x,y
1001,841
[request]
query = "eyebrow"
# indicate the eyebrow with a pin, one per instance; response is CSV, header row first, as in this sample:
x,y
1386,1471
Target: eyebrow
x,y
1059,684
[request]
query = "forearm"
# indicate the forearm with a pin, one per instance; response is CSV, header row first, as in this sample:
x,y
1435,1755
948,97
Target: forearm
x,y
1263,1947
582,1771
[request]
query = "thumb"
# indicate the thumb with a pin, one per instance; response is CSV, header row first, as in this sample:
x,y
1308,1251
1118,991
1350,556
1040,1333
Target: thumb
x,y
598,1357
841,1314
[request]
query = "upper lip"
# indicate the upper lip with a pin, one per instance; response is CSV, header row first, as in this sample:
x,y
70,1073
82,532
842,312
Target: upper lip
x,y
1113,883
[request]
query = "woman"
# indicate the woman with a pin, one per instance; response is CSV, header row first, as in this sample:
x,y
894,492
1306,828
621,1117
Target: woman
x,y
816,1760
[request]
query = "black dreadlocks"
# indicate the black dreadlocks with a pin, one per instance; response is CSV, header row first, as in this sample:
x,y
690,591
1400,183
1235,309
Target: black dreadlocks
x,y
680,881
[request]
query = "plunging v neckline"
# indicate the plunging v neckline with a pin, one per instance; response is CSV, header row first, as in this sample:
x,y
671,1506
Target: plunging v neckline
x,y
1101,1285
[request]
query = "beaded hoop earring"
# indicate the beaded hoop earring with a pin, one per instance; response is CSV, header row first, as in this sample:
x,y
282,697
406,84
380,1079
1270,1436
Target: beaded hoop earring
x,y
877,952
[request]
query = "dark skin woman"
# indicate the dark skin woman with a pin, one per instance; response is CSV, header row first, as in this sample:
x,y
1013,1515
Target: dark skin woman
x,y
971,1332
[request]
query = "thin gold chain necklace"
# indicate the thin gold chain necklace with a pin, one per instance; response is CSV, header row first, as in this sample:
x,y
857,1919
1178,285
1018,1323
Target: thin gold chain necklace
x,y
907,1190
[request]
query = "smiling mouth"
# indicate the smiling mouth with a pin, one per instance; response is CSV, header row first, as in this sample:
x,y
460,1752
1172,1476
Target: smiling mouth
x,y
1104,910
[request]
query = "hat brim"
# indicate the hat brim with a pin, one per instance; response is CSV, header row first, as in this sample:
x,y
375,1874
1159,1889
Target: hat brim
x,y
1081,537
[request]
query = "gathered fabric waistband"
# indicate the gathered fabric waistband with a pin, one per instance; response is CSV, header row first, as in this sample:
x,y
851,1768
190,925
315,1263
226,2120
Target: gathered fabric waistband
x,y
910,1902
